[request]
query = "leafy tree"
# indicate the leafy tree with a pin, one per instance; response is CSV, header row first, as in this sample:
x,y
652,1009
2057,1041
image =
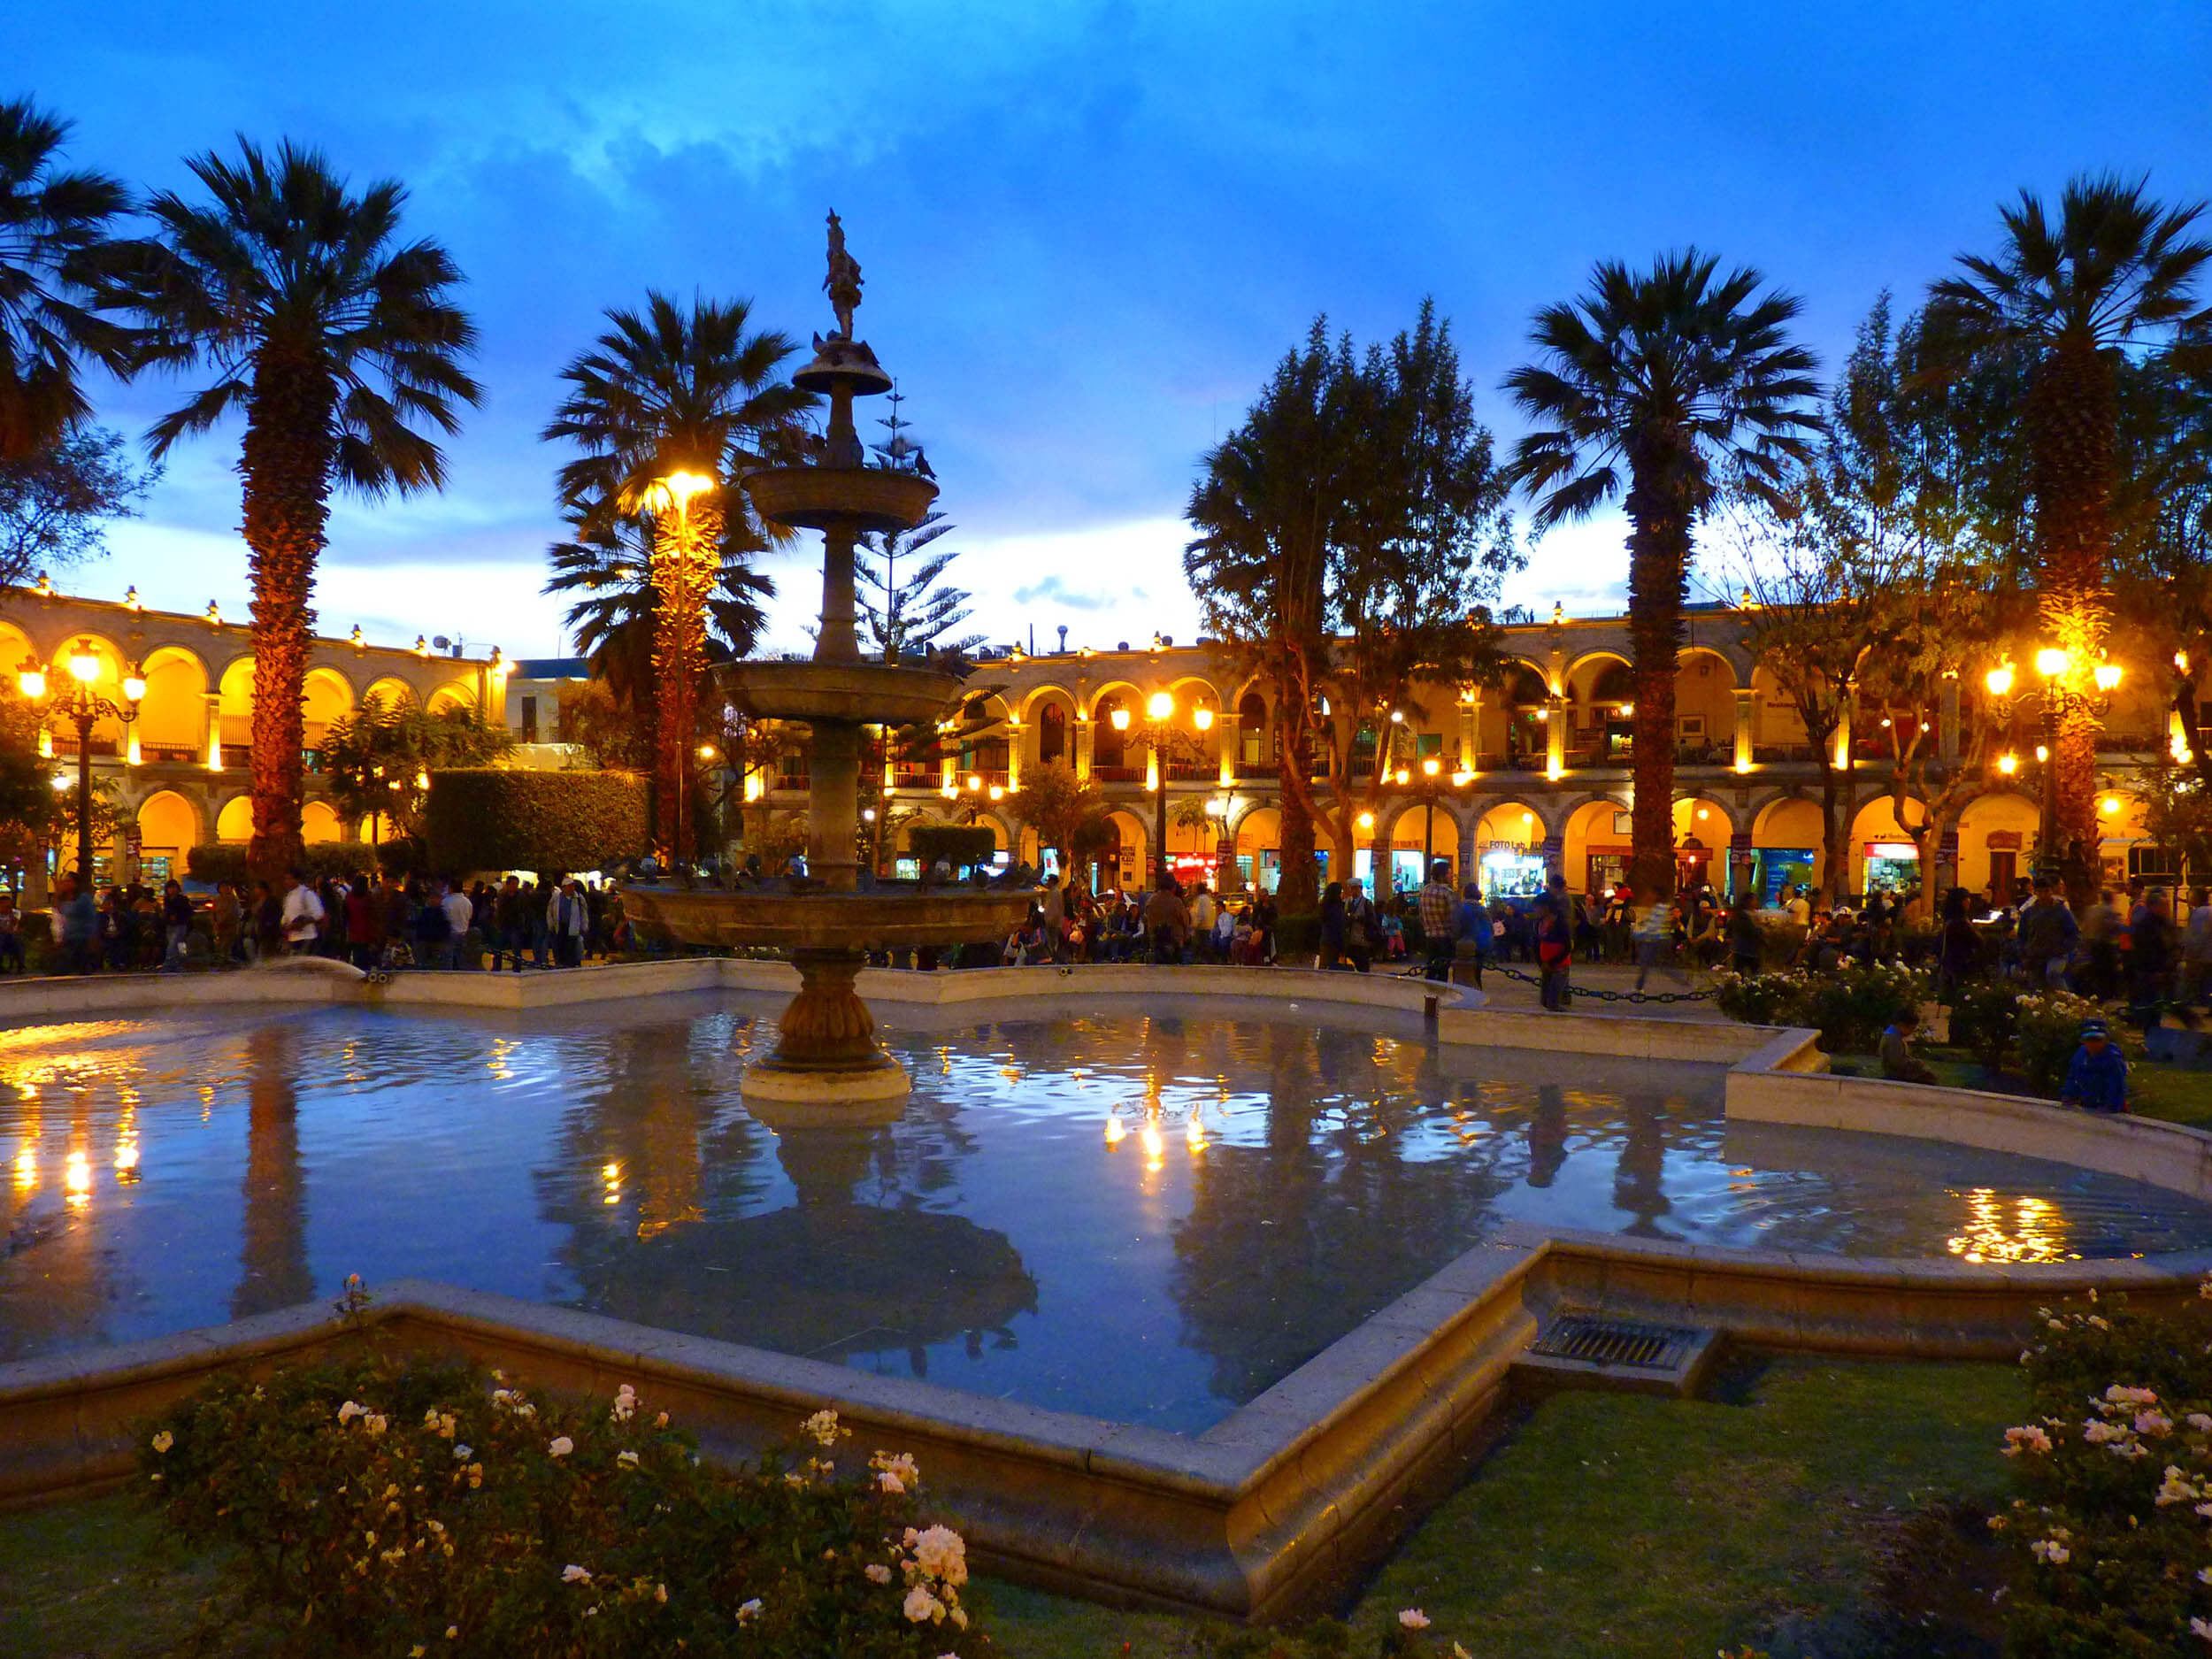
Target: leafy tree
x,y
2068,303
378,759
54,238
53,503
341,346
1665,389
1353,532
664,393
30,808
910,614
1874,596
1069,813
613,733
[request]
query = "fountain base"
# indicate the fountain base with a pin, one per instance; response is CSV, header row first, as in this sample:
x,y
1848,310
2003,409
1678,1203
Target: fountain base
x,y
826,1059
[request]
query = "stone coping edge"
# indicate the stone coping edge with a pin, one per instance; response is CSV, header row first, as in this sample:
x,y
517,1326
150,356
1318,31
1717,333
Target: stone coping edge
x,y
314,980
1268,1513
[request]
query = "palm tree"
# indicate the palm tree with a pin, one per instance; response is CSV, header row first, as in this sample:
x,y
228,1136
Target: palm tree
x,y
669,405
340,344
616,607
1667,387
2115,274
53,235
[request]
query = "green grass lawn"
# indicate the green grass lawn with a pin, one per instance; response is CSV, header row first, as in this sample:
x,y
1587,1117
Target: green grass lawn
x,y
1614,1525
2159,1091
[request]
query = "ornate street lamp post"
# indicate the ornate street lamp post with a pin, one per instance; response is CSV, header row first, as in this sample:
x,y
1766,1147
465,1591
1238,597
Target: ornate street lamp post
x,y
75,701
1161,734
2053,665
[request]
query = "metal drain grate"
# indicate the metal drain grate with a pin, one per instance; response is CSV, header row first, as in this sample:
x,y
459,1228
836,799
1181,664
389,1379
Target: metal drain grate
x,y
1621,1342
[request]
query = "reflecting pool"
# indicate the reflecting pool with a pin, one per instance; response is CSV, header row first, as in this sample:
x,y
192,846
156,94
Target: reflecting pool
x,y
1113,1209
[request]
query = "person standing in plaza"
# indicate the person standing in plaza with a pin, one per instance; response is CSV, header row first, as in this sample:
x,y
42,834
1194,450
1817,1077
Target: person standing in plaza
x,y
1167,918
1746,943
460,914
1654,940
1362,928
176,925
364,924
566,920
301,916
1439,908
78,913
1334,927
10,933
2150,962
1556,963
2047,933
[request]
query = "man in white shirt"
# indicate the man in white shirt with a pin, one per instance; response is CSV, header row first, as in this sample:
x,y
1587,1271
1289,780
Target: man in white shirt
x,y
567,919
302,916
1801,909
460,910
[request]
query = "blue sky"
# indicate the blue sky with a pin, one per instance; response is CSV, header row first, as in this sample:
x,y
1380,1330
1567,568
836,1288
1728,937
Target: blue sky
x,y
1088,230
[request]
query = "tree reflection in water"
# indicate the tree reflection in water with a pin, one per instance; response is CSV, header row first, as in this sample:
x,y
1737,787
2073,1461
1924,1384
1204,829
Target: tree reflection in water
x,y
272,1240
1289,1242
1640,1173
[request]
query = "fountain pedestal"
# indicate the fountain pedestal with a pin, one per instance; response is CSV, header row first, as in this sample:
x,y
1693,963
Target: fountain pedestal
x,y
826,1060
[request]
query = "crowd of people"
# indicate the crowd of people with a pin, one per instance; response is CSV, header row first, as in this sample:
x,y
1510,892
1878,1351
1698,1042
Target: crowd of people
x,y
376,924
1167,924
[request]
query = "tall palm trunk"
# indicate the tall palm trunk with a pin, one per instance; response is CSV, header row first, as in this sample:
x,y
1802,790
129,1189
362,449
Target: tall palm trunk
x,y
291,450
1658,569
684,541
2072,412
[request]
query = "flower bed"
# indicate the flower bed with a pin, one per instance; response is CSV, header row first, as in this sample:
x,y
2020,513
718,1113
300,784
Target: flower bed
x,y
384,1507
2114,1536
1848,1005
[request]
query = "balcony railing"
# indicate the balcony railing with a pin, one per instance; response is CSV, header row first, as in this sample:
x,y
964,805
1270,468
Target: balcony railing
x,y
1193,772
1118,774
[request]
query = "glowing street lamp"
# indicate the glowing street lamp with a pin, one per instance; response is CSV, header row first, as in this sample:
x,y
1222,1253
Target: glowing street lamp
x,y
75,701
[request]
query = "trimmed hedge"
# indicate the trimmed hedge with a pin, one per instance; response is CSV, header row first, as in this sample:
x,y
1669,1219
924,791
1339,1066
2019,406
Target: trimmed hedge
x,y
494,818
214,861
959,845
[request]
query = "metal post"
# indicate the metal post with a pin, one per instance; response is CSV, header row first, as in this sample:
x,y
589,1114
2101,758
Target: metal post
x,y
2047,856
1156,735
85,715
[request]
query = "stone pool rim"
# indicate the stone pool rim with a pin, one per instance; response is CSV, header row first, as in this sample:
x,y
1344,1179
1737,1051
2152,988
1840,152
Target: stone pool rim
x,y
1277,1508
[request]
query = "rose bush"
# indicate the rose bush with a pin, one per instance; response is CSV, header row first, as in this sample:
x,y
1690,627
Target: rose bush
x,y
2112,1538
379,1506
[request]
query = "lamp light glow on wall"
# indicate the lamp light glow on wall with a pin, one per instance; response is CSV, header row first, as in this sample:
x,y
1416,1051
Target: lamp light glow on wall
x,y
2109,807
2107,676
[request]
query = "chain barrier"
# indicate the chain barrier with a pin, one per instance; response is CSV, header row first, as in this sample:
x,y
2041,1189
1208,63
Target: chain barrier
x,y
1604,996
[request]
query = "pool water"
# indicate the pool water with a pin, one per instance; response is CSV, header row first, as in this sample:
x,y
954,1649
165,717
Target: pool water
x,y
1121,1212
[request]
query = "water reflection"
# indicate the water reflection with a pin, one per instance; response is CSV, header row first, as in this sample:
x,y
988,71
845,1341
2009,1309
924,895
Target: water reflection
x,y
1132,1213
272,1256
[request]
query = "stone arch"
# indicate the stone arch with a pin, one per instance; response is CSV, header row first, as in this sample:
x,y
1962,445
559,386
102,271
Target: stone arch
x,y
174,716
1997,837
168,827
390,690
326,695
235,707
319,822
1132,839
1054,719
1705,701
1111,749
1133,697
1584,673
16,649
233,824
1042,692
1594,844
1786,840
1508,845
455,693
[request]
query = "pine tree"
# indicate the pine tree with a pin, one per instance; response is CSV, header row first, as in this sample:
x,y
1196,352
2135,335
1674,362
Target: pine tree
x,y
909,615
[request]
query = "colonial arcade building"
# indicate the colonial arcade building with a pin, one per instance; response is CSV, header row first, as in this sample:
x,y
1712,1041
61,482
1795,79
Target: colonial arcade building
x,y
179,770
1533,775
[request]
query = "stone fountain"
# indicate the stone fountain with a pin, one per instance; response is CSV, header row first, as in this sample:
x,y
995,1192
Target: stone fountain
x,y
827,1066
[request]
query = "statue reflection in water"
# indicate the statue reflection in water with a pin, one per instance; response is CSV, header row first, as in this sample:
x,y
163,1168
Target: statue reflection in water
x,y
832,1275
272,1252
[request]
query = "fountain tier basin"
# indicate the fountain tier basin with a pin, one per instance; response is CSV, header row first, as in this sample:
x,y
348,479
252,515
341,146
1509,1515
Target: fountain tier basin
x,y
827,497
888,918
852,694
